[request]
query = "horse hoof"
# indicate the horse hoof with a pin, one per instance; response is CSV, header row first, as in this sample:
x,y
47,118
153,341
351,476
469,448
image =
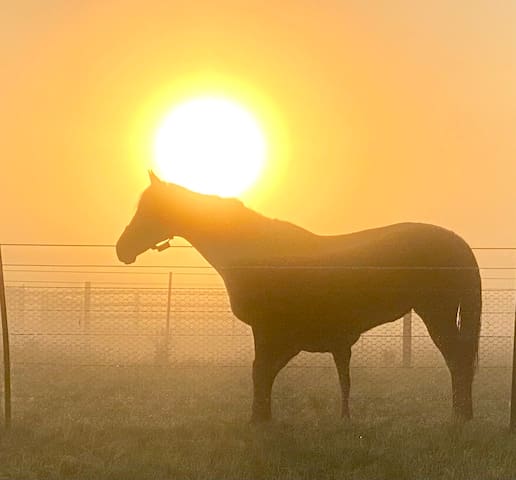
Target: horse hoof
x,y
260,420
460,419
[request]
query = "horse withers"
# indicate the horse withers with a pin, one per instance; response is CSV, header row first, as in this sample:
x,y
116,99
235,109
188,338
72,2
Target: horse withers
x,y
305,292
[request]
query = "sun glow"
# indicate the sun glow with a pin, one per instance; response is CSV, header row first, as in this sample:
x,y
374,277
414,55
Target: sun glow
x,y
210,145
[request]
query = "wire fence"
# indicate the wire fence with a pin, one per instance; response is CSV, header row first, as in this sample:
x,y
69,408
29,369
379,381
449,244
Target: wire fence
x,y
71,308
68,306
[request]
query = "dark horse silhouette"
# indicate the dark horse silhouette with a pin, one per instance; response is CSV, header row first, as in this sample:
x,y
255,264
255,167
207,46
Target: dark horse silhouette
x,y
304,292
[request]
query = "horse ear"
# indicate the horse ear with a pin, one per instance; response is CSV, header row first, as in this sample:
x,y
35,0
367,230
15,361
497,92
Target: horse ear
x,y
154,180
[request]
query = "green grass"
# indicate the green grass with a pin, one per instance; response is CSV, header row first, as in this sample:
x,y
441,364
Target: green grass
x,y
192,423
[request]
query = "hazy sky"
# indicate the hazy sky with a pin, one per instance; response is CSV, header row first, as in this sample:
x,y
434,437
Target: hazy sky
x,y
395,110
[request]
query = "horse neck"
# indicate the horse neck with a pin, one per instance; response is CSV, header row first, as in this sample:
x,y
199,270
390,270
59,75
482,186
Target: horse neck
x,y
227,234
249,239
200,220
226,241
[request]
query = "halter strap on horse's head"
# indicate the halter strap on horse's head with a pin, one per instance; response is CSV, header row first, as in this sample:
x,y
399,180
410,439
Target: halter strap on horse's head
x,y
162,246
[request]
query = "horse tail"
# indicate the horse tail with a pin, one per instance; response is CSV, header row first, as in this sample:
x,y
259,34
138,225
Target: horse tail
x,y
470,316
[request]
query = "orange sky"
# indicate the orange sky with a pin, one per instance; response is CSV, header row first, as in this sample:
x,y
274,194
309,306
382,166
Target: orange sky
x,y
394,110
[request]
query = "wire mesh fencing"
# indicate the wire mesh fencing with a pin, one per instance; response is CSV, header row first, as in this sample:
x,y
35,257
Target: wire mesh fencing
x,y
89,325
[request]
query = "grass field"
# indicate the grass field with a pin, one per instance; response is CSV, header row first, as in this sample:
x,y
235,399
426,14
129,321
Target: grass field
x,y
192,423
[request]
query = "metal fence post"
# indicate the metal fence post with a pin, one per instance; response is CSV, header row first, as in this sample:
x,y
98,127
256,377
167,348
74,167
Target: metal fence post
x,y
21,318
407,340
137,307
512,421
87,305
167,325
86,317
5,339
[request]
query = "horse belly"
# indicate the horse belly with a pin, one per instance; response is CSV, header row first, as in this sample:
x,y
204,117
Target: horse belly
x,y
319,314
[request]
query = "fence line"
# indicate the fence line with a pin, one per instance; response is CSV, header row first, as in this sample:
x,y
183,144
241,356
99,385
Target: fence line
x,y
120,323
96,245
272,266
142,309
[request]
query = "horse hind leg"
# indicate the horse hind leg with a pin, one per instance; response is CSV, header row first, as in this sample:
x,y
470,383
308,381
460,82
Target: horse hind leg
x,y
441,322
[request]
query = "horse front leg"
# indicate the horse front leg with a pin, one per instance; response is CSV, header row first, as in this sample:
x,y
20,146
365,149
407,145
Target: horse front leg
x,y
342,356
262,386
269,360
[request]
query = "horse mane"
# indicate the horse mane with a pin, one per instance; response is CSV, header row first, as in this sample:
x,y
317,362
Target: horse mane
x,y
235,211
230,215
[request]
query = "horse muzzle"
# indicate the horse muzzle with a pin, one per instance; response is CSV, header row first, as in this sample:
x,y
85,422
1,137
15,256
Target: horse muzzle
x,y
124,257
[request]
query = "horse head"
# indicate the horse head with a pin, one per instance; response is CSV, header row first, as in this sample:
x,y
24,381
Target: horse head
x,y
150,227
167,210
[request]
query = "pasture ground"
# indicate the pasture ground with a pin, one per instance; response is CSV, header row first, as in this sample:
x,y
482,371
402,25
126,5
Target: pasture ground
x,y
192,423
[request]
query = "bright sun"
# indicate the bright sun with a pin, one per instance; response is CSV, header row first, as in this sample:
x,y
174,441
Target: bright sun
x,y
210,145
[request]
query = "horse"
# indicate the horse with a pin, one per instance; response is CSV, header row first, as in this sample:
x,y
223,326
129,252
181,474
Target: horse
x,y
300,291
